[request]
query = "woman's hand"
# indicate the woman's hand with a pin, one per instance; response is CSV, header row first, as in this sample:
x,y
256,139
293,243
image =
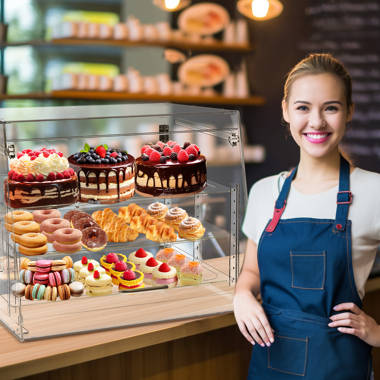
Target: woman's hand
x,y
251,319
356,322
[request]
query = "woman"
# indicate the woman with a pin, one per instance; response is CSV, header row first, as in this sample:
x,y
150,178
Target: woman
x,y
310,257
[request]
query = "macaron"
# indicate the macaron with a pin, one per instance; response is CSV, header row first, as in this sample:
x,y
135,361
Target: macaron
x,y
55,279
24,263
68,275
64,292
26,276
18,289
32,266
51,293
28,292
41,278
58,265
38,291
76,288
43,266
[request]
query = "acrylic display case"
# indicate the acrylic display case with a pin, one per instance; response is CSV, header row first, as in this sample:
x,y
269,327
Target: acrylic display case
x,y
219,207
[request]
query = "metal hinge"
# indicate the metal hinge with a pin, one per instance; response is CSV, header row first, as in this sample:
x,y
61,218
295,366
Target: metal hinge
x,y
11,151
233,139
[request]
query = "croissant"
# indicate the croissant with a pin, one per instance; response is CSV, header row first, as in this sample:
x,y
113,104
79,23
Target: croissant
x,y
142,222
128,212
161,232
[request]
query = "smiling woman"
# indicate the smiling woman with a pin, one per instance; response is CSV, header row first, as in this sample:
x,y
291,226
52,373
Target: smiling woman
x,y
311,256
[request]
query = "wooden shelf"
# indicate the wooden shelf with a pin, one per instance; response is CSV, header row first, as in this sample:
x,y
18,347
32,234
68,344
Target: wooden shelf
x,y
137,97
217,46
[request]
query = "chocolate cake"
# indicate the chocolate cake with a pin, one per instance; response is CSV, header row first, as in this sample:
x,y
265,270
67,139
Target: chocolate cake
x,y
40,179
170,170
104,175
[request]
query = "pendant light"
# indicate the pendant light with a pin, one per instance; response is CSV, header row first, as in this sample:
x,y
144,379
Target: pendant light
x,y
171,5
260,10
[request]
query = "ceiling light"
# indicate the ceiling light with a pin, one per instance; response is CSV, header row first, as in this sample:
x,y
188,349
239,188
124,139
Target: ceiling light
x,y
260,9
171,5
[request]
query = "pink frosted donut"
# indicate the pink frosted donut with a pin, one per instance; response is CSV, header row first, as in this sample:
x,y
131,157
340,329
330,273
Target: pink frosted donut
x,y
67,236
67,248
41,215
52,224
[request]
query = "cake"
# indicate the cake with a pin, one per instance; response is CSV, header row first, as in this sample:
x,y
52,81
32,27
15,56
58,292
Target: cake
x,y
40,178
190,273
104,174
131,279
147,268
98,284
165,275
170,170
106,261
140,257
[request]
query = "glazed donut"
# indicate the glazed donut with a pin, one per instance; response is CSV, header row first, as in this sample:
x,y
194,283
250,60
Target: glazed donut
x,y
41,215
94,238
175,216
33,251
18,216
67,235
70,214
25,226
67,248
52,224
157,210
30,239
84,222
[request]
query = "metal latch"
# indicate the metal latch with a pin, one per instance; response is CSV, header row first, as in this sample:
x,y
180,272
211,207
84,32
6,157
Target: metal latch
x,y
11,151
233,139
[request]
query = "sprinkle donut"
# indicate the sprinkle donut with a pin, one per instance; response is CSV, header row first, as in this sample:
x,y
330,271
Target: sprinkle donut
x,y
94,238
41,215
18,216
67,240
48,226
25,226
30,239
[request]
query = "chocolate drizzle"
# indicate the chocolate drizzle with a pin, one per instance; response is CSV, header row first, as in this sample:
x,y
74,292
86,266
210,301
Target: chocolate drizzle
x,y
188,170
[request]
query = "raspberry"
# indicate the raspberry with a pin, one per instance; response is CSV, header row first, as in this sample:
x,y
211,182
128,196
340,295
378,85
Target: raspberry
x,y
176,148
19,155
101,151
32,158
40,177
114,154
21,178
30,177
140,253
90,267
164,268
96,274
154,156
167,151
71,171
129,275
15,176
196,147
148,151
144,148
51,176
26,151
160,144
66,174
46,154
121,266
183,156
60,176
84,260
112,258
191,150
171,143
60,154
152,262
10,174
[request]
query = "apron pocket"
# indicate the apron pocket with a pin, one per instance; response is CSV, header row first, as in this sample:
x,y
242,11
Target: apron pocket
x,y
288,355
308,269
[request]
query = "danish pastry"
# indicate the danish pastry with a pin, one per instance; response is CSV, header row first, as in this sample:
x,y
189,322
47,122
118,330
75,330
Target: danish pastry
x,y
175,216
158,210
191,229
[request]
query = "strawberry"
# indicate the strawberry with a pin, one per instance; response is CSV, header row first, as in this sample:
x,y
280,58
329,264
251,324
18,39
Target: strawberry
x,y
154,156
176,148
10,174
40,177
195,146
84,260
21,178
15,176
19,155
96,274
30,177
160,144
167,151
114,154
60,176
46,154
191,150
66,174
171,143
51,176
148,151
112,258
164,268
60,154
26,151
140,253
71,171
129,275
152,262
101,151
121,266
144,148
32,158
90,267
183,156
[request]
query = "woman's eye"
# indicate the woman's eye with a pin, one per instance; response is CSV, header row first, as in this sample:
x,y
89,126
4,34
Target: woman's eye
x,y
331,108
302,108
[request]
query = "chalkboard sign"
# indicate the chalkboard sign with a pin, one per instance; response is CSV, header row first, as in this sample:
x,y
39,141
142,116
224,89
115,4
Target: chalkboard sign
x,y
350,30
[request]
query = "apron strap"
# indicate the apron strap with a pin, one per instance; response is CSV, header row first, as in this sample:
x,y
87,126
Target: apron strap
x,y
344,198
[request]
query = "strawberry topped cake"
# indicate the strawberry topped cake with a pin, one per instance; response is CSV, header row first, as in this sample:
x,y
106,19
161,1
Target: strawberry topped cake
x,y
39,178
168,169
106,175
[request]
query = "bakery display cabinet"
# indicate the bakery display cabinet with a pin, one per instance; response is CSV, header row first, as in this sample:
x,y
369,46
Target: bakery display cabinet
x,y
120,201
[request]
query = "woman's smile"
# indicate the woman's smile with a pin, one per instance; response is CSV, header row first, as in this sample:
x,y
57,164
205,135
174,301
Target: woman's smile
x,y
317,137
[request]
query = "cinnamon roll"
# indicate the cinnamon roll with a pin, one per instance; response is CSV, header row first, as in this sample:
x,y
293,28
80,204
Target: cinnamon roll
x,y
191,229
175,216
157,210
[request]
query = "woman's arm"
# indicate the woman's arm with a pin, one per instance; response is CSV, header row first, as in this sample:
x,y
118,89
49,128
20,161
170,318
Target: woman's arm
x,y
249,314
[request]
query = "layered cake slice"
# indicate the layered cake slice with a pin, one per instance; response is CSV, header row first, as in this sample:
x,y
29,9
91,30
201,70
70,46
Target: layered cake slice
x,y
168,169
104,174
40,178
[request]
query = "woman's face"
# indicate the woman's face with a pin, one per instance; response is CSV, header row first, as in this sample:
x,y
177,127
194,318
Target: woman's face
x,y
317,113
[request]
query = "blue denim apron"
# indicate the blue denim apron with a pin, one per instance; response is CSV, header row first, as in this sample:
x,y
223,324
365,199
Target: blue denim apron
x,y
305,270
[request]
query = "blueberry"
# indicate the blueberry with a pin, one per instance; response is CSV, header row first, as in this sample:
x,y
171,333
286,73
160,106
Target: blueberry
x,y
113,160
124,152
92,150
173,156
191,157
108,154
144,157
98,161
125,157
119,159
163,159
199,152
81,161
96,156
76,155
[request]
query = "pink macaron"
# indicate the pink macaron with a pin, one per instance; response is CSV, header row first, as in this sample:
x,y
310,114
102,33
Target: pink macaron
x,y
43,266
68,275
41,278
55,279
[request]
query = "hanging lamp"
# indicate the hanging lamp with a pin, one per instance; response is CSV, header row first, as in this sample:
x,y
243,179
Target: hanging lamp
x,y
260,10
171,5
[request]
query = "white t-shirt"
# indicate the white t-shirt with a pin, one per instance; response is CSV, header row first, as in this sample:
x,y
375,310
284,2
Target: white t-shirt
x,y
364,212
